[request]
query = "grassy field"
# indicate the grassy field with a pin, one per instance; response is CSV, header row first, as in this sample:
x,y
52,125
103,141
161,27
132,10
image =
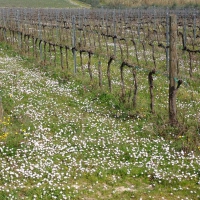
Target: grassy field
x,y
110,3
71,141
42,3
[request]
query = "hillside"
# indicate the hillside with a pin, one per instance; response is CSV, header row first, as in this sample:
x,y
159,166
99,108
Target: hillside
x,y
138,3
42,3
96,3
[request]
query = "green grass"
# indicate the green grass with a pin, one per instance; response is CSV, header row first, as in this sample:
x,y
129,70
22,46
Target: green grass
x,y
71,140
63,137
41,3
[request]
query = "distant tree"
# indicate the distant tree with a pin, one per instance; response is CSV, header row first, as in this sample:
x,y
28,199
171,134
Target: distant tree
x,y
93,3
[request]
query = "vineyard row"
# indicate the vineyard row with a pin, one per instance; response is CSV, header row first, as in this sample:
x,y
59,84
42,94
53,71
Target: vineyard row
x,y
132,39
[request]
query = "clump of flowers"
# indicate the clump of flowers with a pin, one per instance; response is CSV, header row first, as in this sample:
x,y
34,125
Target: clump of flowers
x,y
3,136
4,124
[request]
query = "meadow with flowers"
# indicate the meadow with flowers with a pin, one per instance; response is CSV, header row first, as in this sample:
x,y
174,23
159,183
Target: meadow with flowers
x,y
64,140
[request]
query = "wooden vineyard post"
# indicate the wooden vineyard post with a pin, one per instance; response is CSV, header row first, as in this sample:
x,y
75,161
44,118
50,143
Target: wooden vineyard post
x,y
108,73
173,71
66,54
89,65
150,78
167,38
61,57
45,52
